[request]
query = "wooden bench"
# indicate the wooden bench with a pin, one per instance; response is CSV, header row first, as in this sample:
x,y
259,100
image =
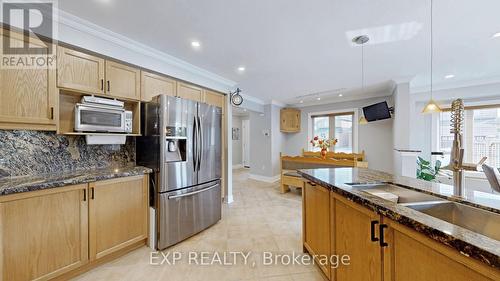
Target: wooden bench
x,y
313,160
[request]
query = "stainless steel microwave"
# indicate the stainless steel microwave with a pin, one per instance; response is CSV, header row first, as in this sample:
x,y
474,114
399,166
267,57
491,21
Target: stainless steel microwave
x,y
102,118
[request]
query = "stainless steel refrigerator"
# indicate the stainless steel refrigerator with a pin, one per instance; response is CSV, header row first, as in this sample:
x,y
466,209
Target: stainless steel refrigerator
x,y
181,142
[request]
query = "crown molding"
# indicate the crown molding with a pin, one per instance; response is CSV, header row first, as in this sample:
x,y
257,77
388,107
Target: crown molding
x,y
74,22
454,85
253,99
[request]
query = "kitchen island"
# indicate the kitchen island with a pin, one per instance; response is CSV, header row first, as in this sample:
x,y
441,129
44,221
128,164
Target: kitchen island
x,y
398,228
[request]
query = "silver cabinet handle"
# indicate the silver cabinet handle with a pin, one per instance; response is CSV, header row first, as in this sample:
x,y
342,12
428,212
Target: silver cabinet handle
x,y
201,146
195,145
193,193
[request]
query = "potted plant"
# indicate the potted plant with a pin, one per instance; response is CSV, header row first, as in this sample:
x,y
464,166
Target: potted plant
x,y
426,171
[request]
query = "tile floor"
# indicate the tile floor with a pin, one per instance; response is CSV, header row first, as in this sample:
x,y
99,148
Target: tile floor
x,y
260,219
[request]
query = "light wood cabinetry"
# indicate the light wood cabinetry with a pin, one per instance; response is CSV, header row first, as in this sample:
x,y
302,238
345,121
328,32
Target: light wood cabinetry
x,y
27,94
213,98
316,236
290,120
123,81
413,256
118,214
43,234
351,235
379,248
190,92
154,84
79,71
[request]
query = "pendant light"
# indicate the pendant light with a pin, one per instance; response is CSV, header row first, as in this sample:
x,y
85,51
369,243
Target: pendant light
x,y
431,106
362,40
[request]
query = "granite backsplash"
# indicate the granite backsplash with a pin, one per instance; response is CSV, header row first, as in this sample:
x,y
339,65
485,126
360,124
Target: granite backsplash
x,y
34,153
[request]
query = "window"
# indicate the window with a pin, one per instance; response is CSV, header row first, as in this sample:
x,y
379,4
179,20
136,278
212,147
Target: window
x,y
481,135
338,126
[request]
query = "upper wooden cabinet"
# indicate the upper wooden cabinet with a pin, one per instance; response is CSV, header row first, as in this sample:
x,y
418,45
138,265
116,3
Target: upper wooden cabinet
x,y
79,71
27,94
154,84
190,92
213,98
316,236
290,120
44,233
123,81
118,215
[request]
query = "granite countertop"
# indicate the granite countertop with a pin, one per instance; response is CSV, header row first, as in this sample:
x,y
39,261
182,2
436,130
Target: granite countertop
x,y
12,185
467,242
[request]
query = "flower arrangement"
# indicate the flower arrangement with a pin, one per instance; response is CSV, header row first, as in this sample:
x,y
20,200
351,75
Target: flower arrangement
x,y
324,144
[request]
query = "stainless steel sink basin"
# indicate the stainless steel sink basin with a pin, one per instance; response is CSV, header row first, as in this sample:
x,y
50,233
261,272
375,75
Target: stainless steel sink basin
x,y
404,195
474,219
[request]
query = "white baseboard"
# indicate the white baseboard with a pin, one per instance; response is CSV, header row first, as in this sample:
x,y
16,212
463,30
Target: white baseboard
x,y
237,166
264,178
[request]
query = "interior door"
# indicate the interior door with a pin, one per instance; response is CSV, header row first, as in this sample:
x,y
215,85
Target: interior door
x,y
178,119
210,118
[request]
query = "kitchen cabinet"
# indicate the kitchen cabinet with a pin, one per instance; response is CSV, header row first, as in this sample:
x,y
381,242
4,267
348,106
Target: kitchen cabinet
x,y
43,234
118,214
290,120
413,256
27,94
213,98
123,81
79,71
316,224
154,84
190,92
354,233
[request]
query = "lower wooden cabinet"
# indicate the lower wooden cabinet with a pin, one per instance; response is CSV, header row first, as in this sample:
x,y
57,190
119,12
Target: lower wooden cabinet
x,y
56,232
379,248
316,227
43,234
118,214
352,235
413,256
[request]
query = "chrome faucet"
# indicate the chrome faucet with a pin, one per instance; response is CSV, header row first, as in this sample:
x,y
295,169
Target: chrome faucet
x,y
457,165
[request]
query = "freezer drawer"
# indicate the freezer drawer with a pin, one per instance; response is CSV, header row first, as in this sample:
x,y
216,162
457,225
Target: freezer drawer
x,y
186,212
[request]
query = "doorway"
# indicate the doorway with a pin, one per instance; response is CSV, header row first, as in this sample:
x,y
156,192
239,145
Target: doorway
x,y
245,137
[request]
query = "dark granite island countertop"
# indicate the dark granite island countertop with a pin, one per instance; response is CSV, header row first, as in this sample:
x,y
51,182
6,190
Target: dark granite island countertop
x,y
12,185
467,242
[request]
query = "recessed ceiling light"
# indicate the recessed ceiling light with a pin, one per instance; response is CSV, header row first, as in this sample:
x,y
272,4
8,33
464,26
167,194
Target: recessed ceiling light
x,y
301,101
241,68
318,98
245,109
449,76
496,35
195,44
340,95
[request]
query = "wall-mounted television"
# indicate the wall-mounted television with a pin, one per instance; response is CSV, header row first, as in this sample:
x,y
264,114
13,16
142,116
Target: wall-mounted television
x,y
378,111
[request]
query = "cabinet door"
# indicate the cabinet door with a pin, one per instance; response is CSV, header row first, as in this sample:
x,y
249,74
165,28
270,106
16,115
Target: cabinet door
x,y
44,235
118,212
79,71
27,94
290,120
413,256
123,81
153,85
190,92
213,98
317,222
353,237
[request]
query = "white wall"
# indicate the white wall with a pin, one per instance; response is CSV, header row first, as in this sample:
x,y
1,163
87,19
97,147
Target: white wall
x,y
375,138
237,144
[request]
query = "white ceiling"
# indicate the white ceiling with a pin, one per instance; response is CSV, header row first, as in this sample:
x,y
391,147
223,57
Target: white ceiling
x,y
302,47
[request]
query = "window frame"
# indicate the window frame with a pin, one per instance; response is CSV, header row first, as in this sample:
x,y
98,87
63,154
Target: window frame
x,y
355,125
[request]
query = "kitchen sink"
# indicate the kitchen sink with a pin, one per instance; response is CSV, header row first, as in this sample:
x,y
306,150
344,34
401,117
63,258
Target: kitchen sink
x,y
471,218
395,193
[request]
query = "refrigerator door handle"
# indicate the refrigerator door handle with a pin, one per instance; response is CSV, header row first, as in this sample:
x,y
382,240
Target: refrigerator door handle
x,y
194,192
200,144
195,144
